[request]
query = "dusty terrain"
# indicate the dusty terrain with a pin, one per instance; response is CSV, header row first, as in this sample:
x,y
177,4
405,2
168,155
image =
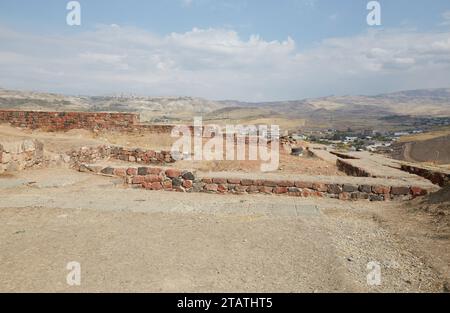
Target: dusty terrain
x,y
134,240
431,148
74,139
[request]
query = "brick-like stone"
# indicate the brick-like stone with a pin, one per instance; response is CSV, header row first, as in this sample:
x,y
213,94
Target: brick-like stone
x,y
418,191
177,182
234,181
188,176
319,187
334,188
132,171
375,197
154,170
349,188
219,180
380,190
294,189
211,187
253,189
198,187
286,183
138,180
108,171
142,171
266,189
247,182
241,189
280,190
172,173
270,183
167,185
207,180
153,178
365,188
120,172
345,196
302,184
399,191
359,196
222,188
156,186
259,182
188,184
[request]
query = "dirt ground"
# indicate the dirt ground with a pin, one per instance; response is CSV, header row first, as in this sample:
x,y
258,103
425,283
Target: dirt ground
x,y
136,240
61,142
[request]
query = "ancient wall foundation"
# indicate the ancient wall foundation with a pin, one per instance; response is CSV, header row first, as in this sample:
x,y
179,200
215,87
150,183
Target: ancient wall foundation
x,y
157,178
19,155
440,178
63,121
135,155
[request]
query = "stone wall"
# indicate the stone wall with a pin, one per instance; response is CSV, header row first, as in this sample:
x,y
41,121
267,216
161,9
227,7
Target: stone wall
x,y
440,178
20,154
157,178
135,155
350,169
63,121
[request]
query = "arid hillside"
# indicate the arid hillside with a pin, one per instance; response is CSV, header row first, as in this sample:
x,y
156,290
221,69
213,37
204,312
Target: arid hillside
x,y
387,110
432,147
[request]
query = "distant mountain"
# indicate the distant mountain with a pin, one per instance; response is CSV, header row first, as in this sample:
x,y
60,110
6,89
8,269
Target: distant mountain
x,y
332,111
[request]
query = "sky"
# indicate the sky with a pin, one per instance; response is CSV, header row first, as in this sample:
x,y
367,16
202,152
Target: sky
x,y
249,50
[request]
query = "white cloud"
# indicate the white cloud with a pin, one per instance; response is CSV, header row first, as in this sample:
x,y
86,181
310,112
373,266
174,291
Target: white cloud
x,y
219,64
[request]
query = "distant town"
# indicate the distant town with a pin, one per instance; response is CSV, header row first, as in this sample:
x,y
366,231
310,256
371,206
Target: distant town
x,y
373,140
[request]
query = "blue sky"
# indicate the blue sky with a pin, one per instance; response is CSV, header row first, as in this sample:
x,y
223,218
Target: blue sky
x,y
243,49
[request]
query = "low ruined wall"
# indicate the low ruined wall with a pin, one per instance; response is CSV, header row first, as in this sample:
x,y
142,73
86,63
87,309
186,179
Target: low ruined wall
x,y
19,155
140,156
350,169
156,178
63,121
436,177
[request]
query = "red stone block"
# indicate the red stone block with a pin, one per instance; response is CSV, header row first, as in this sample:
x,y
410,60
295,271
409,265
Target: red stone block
x,y
241,189
156,186
219,180
286,183
320,187
345,196
247,182
153,178
265,189
301,184
172,173
138,180
234,181
418,191
120,172
187,184
270,183
280,190
253,189
211,187
167,185
258,182
222,188
381,189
